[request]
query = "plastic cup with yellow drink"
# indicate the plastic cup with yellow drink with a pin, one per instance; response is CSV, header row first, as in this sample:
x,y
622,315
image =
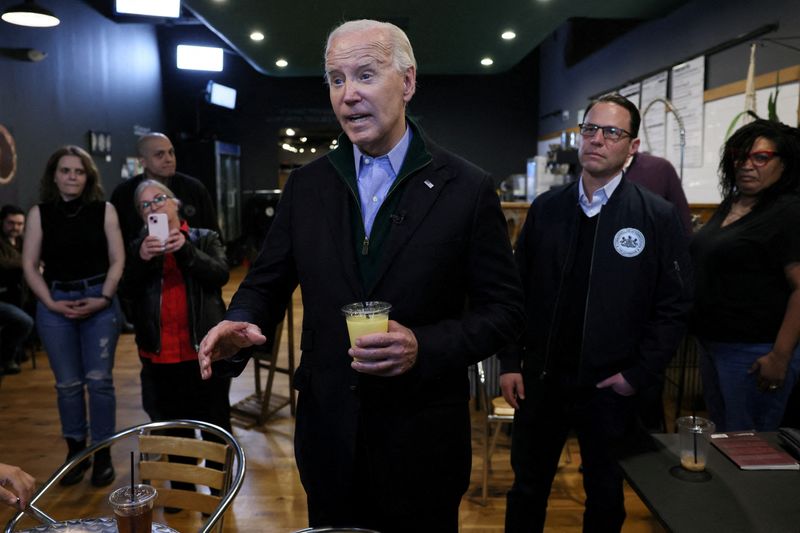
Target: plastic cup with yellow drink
x,y
364,318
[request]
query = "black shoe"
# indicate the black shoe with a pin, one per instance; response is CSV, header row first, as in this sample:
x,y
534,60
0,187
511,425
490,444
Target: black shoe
x,y
103,471
76,474
11,368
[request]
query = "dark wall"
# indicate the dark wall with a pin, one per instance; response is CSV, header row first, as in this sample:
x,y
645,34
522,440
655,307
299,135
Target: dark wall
x,y
662,43
490,120
98,75
263,106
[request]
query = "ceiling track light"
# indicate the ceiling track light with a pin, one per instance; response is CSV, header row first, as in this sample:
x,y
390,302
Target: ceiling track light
x,y
30,14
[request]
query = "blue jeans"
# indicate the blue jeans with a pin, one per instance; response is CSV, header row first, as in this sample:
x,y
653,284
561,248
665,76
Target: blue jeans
x,y
81,354
15,326
732,396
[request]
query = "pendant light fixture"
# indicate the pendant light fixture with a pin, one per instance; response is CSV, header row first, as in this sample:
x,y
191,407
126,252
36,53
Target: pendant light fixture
x,y
31,14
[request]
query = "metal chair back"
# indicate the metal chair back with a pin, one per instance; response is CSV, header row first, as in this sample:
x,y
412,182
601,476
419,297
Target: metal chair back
x,y
231,483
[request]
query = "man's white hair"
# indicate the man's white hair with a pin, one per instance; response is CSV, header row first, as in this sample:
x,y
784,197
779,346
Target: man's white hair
x,y
402,53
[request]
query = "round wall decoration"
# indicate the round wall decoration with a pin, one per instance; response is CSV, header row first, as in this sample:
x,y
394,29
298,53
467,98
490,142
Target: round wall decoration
x,y
8,156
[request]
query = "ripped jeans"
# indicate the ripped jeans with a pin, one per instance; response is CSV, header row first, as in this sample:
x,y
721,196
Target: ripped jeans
x,y
81,354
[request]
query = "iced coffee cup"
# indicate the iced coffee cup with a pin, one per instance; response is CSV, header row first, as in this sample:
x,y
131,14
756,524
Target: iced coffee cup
x,y
134,510
364,318
694,433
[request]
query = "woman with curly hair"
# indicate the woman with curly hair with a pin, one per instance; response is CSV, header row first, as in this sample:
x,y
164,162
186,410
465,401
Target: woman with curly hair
x,y
747,268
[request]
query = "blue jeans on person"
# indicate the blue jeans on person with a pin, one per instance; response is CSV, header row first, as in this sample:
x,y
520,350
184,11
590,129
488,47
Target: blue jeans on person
x,y
732,396
81,354
15,326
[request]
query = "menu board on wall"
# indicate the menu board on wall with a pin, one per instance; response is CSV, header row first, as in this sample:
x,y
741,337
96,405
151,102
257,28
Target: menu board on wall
x,y
654,139
686,88
632,92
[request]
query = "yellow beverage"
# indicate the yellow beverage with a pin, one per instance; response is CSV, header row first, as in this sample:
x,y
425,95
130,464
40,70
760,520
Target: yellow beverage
x,y
358,326
688,462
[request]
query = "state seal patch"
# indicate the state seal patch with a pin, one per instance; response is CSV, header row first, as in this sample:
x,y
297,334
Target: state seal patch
x,y
629,242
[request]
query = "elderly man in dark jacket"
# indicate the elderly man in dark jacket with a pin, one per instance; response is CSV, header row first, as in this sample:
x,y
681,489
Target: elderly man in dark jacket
x,y
383,434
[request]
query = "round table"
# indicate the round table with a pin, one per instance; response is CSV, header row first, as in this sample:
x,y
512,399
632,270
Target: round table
x,y
104,524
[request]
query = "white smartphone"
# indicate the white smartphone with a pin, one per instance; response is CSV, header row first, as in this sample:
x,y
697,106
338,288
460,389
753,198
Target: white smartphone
x,y
157,225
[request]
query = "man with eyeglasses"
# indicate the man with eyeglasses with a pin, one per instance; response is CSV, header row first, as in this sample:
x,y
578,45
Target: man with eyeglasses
x,y
606,274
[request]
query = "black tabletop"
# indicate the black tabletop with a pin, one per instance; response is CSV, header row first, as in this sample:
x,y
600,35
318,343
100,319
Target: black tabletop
x,y
733,500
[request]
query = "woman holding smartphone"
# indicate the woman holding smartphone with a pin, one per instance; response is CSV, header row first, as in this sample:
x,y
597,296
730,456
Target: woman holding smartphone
x,y
174,276
76,236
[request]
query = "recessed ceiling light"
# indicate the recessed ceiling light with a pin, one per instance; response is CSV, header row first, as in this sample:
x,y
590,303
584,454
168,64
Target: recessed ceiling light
x,y
313,150
282,63
303,139
508,35
257,36
290,132
487,61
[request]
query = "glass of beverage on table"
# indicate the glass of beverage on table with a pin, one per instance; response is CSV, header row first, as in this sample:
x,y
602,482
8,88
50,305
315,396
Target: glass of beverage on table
x,y
694,433
364,318
133,510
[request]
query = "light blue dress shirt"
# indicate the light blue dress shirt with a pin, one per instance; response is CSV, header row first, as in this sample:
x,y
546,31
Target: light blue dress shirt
x,y
375,176
600,196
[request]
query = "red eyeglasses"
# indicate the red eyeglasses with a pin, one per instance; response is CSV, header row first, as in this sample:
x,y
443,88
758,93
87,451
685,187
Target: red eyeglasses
x,y
757,159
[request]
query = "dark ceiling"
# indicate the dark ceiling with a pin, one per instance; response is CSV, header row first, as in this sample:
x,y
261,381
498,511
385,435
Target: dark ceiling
x,y
449,37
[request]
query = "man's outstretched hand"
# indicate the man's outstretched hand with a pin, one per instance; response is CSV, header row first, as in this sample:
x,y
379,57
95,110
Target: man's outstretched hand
x,y
225,340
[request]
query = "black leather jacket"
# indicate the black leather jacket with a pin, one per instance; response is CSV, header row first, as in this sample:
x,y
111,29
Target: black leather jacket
x,y
205,270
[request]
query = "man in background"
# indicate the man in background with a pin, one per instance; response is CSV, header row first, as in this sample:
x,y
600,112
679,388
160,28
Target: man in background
x,y
657,175
382,439
606,275
15,324
157,156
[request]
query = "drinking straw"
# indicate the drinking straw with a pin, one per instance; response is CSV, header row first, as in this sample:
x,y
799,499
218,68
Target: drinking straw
x,y
133,491
694,430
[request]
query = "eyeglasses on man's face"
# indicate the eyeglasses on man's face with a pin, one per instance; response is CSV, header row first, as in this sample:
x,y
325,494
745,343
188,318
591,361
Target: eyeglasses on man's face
x,y
758,159
155,202
611,133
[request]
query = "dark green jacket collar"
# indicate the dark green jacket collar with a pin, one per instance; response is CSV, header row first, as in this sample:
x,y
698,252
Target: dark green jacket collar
x,y
416,157
369,251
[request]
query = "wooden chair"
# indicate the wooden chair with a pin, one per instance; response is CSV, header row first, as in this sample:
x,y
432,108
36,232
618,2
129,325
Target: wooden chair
x,y
256,408
227,481
159,472
498,413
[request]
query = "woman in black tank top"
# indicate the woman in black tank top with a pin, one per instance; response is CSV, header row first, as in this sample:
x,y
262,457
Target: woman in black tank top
x,y
73,259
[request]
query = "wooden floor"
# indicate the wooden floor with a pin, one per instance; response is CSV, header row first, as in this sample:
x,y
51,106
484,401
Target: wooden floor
x,y
272,499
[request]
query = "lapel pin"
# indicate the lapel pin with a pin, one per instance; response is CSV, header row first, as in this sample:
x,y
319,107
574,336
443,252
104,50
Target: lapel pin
x,y
429,184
